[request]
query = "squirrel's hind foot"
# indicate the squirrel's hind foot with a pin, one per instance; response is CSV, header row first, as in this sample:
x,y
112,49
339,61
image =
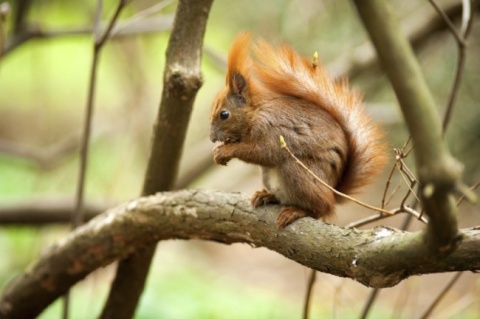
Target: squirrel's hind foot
x,y
263,197
289,214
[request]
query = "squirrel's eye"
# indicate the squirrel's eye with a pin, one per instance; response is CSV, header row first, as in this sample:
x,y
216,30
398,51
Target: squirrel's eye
x,y
224,115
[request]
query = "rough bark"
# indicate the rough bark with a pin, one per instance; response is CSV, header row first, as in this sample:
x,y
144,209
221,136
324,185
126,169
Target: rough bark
x,y
379,257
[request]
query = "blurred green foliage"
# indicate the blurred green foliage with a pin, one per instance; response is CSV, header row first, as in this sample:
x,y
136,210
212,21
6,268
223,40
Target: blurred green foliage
x,y
43,87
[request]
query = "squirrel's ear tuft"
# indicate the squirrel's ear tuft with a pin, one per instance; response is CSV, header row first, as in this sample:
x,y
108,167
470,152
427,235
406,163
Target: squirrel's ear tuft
x,y
238,84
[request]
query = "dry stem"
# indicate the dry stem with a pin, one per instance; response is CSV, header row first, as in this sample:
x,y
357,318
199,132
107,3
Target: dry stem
x,y
285,147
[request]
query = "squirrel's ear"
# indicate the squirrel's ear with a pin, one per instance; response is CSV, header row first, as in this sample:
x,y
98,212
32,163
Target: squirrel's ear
x,y
238,84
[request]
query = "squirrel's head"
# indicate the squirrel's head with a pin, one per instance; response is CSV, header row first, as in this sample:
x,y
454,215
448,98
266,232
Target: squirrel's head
x,y
228,117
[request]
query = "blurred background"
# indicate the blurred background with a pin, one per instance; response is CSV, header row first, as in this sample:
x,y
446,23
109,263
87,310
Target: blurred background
x,y
43,93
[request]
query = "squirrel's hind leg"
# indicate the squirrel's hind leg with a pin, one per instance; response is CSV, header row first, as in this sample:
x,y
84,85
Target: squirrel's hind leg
x,y
263,197
289,214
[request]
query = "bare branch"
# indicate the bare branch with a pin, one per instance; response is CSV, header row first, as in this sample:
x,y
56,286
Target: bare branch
x,y
412,181
439,173
473,188
144,26
47,211
308,295
447,21
182,80
377,217
78,214
356,201
387,186
379,257
47,157
142,15
442,294
418,28
370,301
460,40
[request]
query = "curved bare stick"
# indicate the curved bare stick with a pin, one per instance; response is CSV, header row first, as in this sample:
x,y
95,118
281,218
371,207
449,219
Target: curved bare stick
x,y
461,41
379,257
439,173
182,80
284,146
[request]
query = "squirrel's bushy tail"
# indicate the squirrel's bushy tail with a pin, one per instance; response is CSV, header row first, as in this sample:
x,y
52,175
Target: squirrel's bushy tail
x,y
283,71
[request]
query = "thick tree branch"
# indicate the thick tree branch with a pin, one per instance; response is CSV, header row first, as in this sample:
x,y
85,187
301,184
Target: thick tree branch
x,y
379,257
439,173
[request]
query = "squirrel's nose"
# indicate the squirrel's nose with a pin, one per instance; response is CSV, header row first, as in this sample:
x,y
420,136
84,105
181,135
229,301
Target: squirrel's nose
x,y
213,136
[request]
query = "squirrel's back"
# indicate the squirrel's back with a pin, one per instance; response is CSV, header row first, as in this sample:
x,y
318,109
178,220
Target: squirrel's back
x,y
282,71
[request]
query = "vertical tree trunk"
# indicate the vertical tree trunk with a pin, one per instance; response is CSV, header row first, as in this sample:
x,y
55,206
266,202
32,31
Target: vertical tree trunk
x,y
182,80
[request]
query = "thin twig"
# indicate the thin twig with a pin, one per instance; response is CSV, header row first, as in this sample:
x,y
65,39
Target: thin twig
x,y
79,213
455,87
461,41
182,80
387,185
370,301
411,178
404,168
378,209
141,15
149,25
311,280
383,211
399,155
474,187
377,217
453,310
392,194
401,301
442,294
99,42
448,22
46,157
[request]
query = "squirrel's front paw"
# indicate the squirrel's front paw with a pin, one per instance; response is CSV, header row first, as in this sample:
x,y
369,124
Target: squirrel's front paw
x,y
220,155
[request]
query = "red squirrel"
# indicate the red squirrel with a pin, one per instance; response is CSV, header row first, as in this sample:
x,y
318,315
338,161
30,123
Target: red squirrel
x,y
273,91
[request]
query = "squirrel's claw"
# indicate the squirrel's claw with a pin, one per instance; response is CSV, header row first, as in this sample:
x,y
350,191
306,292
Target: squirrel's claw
x,y
289,214
219,155
263,197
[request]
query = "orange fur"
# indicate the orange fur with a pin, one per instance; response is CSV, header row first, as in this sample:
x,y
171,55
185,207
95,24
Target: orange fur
x,y
285,72
274,91
239,56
